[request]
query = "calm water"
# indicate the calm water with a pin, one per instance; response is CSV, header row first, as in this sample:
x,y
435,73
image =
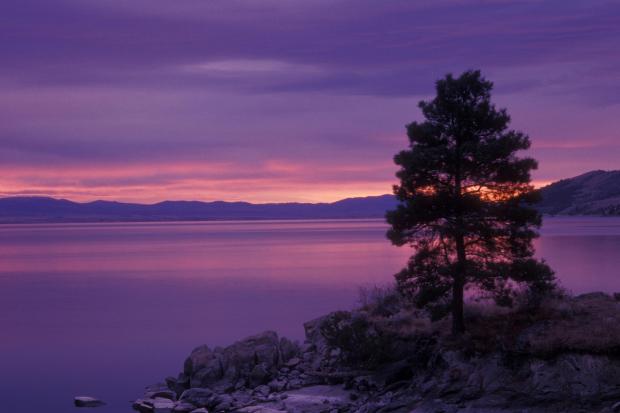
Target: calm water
x,y
103,309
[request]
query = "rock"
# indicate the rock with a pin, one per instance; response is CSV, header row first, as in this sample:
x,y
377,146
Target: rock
x,y
198,358
201,410
183,407
208,371
262,390
259,375
259,349
222,402
199,397
161,405
163,394
259,409
393,372
178,385
293,362
277,385
87,401
252,361
288,349
314,399
549,365
313,333
142,407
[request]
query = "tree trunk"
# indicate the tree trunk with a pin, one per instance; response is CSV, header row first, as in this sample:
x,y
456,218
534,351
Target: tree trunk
x,y
458,323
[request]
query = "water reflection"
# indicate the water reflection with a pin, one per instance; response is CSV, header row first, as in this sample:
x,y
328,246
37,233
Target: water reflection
x,y
107,308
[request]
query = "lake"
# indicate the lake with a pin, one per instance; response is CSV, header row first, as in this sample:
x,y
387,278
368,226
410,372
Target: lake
x,y
104,309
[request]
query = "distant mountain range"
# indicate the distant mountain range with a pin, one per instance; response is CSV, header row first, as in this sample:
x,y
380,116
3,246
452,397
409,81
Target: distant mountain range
x,y
43,209
593,193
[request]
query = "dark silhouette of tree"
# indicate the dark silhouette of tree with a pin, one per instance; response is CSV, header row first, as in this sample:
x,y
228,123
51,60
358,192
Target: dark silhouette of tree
x,y
465,203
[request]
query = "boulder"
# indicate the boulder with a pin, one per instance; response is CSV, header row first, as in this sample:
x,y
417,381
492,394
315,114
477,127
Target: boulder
x,y
163,394
252,361
259,375
178,385
197,359
315,399
262,391
277,385
314,338
293,362
208,370
258,349
87,401
288,349
142,407
222,402
161,405
259,409
199,397
183,407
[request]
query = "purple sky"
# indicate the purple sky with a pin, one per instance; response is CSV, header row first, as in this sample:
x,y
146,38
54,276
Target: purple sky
x,y
288,100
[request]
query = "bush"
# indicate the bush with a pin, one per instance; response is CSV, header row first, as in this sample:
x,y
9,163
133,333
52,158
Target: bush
x,y
384,301
360,343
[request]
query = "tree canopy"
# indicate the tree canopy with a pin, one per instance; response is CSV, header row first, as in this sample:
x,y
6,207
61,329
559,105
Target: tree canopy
x,y
466,203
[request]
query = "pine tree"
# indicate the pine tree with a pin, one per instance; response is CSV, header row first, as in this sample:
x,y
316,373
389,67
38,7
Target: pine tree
x,y
466,203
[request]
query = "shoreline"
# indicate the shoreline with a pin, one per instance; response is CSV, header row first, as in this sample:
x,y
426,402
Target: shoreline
x,y
386,357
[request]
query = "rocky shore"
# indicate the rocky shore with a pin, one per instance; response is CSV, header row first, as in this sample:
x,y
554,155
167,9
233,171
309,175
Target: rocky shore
x,y
560,356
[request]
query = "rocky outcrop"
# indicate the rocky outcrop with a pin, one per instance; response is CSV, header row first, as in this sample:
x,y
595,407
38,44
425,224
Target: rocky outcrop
x,y
542,370
87,401
245,364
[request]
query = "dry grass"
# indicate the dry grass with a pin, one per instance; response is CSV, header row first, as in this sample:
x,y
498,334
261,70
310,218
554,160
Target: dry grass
x,y
588,323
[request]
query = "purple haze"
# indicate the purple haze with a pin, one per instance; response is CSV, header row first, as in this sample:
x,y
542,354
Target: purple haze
x,y
284,100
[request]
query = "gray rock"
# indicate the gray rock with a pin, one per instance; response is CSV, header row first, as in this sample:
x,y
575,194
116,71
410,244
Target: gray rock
x,y
259,375
199,397
262,390
223,402
178,385
316,399
209,371
161,405
259,349
252,361
293,362
142,407
164,394
277,385
198,358
259,409
87,401
183,407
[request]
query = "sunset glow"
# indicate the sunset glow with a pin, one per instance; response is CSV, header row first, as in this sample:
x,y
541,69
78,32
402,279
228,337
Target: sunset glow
x,y
146,102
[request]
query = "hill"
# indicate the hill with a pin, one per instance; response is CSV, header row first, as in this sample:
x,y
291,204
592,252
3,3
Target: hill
x,y
43,209
593,193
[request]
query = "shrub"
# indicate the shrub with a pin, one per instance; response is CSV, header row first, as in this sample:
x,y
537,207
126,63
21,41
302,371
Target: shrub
x,y
384,301
361,344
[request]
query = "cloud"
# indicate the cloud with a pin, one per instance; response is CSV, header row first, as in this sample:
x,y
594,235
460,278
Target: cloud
x,y
308,89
